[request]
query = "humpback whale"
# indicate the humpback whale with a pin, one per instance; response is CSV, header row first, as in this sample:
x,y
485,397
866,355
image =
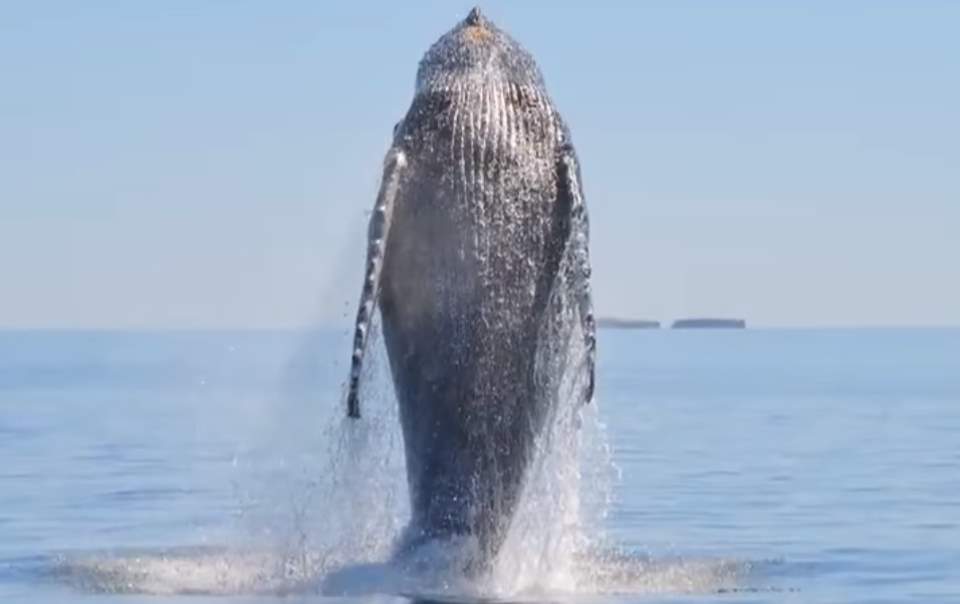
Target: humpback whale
x,y
478,262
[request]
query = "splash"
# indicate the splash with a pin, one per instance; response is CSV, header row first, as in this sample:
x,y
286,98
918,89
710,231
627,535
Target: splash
x,y
220,572
341,498
325,515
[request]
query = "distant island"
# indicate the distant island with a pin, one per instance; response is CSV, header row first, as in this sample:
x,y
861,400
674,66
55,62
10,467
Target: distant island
x,y
615,323
709,324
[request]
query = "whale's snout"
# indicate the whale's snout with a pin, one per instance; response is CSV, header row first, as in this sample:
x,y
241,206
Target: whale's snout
x,y
476,28
475,18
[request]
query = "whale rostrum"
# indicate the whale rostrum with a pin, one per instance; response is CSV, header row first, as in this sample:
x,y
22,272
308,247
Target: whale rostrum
x,y
478,261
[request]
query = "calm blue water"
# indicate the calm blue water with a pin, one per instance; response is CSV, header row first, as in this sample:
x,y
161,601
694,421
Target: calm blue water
x,y
753,466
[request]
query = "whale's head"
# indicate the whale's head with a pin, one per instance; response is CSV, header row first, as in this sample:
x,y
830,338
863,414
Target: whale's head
x,y
476,52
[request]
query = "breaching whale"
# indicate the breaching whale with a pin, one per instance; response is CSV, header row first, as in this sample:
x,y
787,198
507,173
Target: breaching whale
x,y
478,259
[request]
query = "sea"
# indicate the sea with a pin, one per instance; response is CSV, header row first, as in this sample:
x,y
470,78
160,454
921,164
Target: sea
x,y
756,465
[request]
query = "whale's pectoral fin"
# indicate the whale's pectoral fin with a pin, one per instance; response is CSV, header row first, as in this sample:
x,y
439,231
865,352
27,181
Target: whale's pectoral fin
x,y
377,234
570,195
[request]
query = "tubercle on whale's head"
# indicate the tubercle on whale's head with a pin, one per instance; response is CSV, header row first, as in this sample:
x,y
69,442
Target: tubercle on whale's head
x,y
476,51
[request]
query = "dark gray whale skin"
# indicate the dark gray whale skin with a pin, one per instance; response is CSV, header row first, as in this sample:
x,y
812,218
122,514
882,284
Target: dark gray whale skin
x,y
478,258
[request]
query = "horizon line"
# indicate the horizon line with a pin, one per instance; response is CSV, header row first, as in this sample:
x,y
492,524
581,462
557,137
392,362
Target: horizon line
x,y
347,327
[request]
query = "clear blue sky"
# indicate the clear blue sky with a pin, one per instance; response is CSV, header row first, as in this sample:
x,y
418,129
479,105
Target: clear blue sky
x,y
191,164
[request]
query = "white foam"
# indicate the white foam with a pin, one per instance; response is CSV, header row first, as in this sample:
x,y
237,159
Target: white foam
x,y
236,572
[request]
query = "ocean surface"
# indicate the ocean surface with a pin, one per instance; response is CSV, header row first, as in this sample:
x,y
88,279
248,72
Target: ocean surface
x,y
716,466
